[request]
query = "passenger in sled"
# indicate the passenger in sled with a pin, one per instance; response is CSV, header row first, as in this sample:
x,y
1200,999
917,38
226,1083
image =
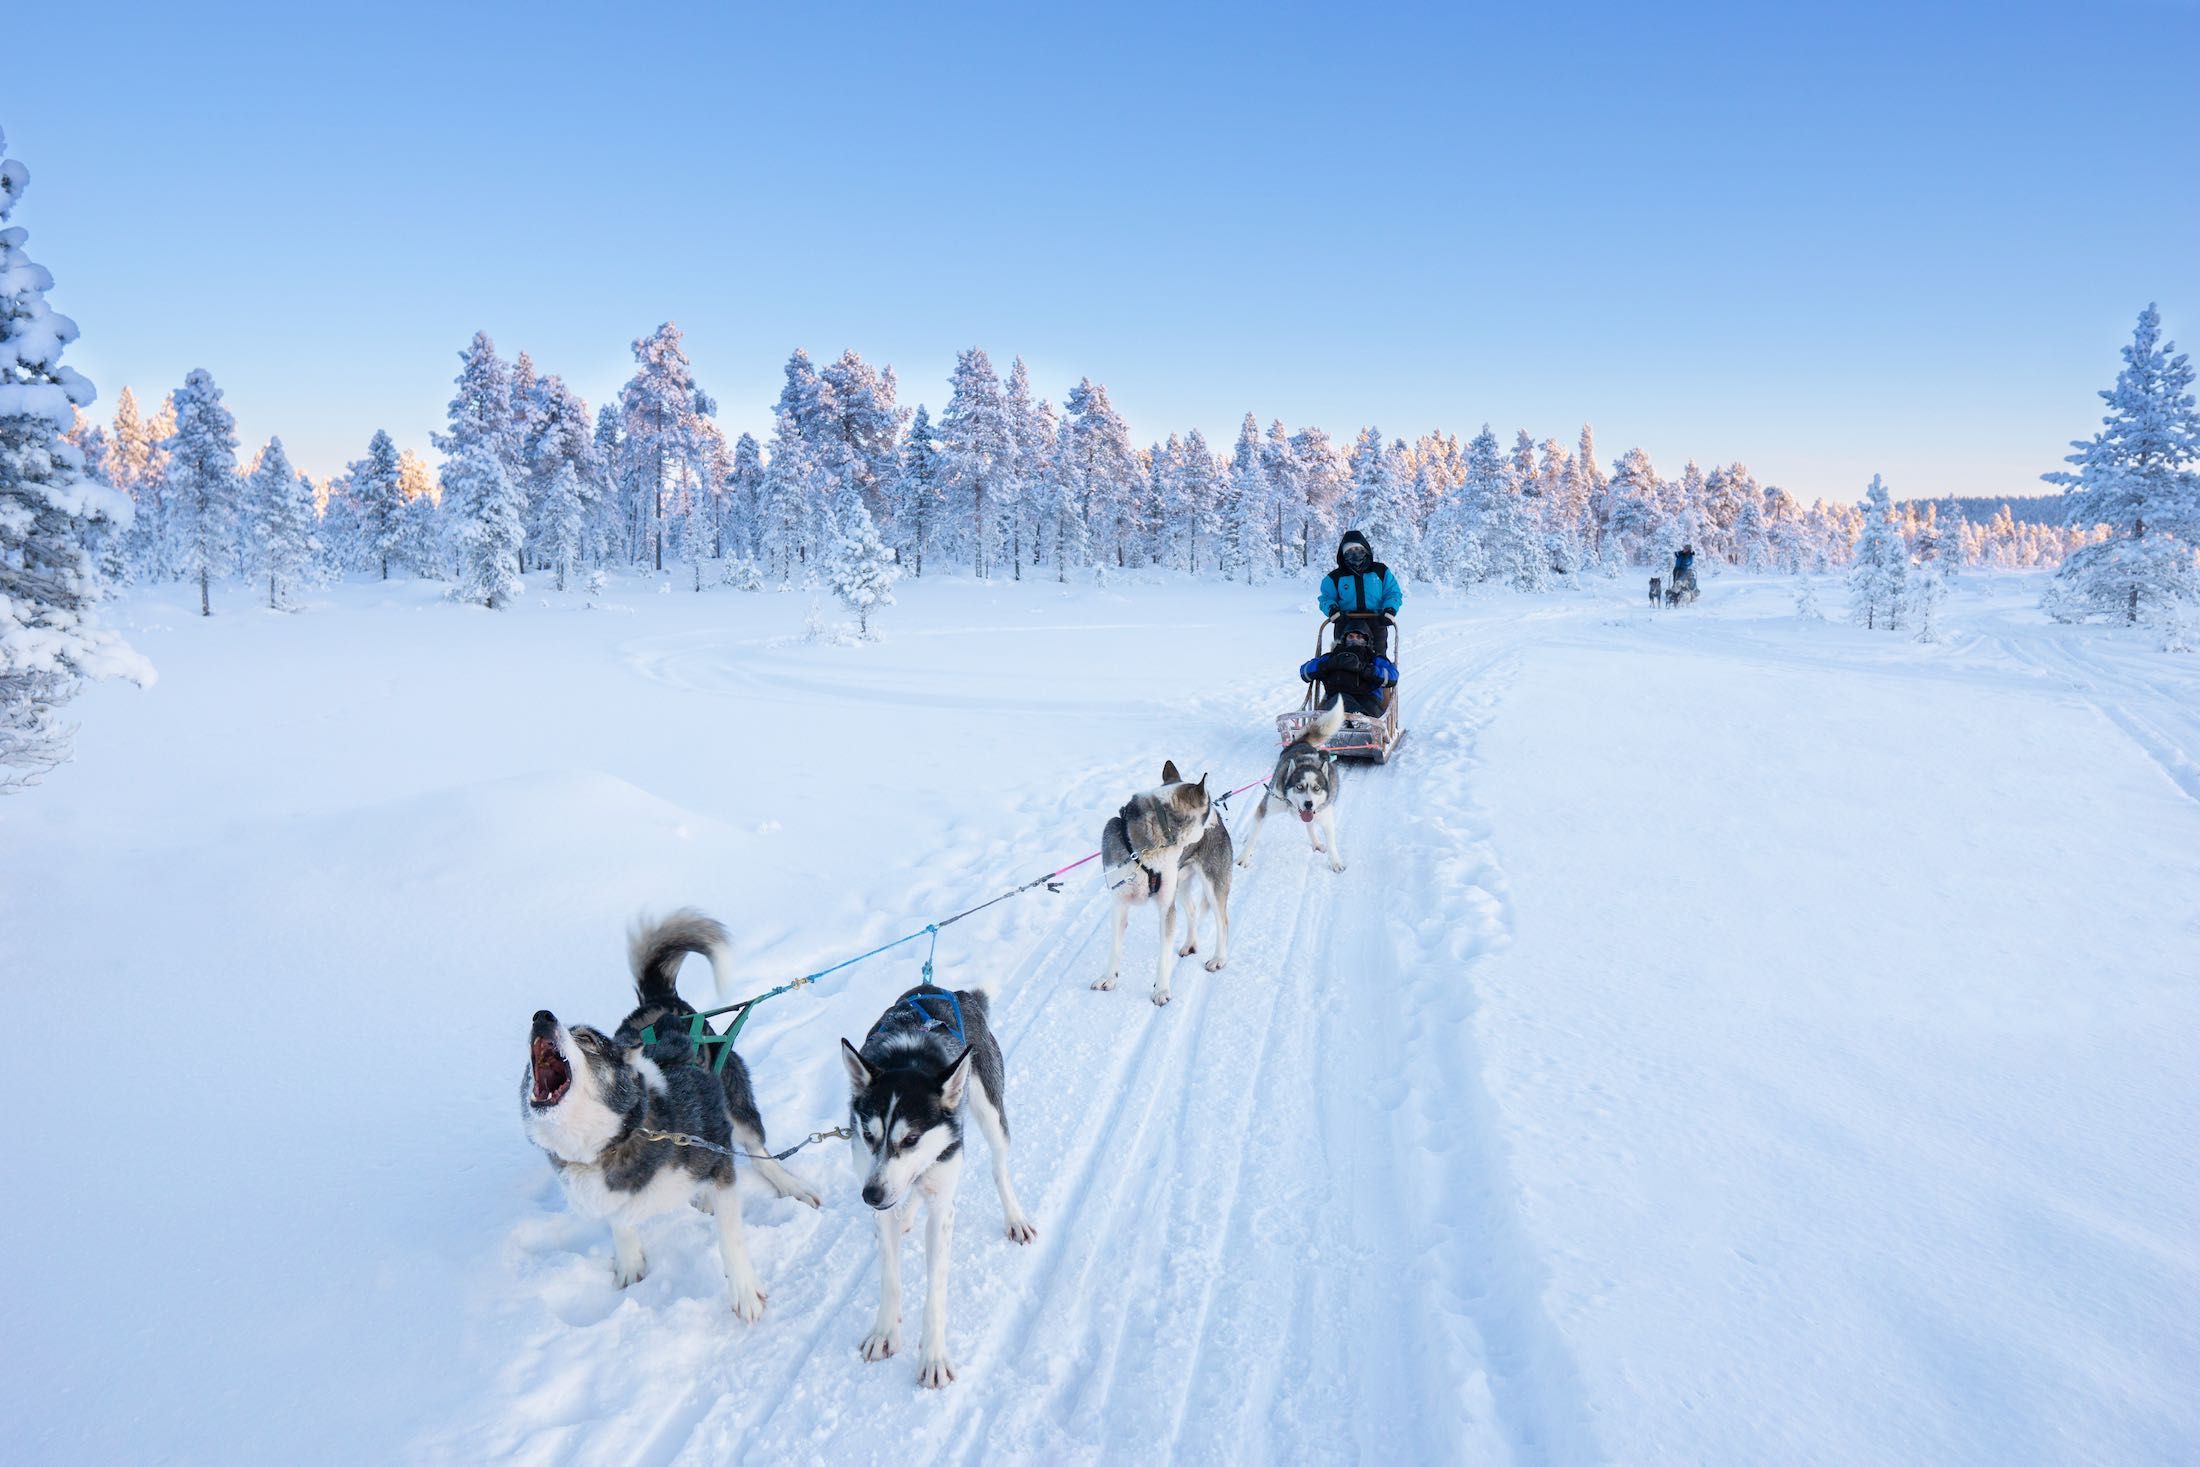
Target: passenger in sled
x,y
1353,671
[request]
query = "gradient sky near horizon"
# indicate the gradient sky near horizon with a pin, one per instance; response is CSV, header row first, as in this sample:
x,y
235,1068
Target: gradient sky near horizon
x,y
1827,240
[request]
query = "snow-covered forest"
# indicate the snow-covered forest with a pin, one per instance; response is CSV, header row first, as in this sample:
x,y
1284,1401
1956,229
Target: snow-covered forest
x,y
999,482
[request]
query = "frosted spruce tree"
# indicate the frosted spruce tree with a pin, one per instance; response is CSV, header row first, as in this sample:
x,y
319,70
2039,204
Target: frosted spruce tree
x,y
378,504
658,407
915,496
202,488
1879,580
52,516
279,513
2140,476
860,568
1251,517
486,509
977,451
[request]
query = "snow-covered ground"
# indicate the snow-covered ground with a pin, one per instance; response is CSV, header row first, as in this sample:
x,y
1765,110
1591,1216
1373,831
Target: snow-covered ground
x,y
1736,1039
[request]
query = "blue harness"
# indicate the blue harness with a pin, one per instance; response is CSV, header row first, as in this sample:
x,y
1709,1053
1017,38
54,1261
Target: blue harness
x,y
933,1022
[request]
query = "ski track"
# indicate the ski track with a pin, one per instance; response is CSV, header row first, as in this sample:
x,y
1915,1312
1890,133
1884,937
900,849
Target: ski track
x,y
1276,1114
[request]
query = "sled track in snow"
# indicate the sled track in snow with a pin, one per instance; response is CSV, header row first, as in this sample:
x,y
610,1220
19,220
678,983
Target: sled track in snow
x,y
1276,1219
2166,731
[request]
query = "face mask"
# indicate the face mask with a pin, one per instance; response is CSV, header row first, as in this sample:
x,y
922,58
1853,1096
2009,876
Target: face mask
x,y
1355,556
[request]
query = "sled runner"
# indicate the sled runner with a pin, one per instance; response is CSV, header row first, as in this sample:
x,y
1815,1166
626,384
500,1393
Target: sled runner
x,y
1361,737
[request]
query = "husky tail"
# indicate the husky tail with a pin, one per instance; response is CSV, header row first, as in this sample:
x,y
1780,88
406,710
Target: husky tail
x,y
1324,728
654,949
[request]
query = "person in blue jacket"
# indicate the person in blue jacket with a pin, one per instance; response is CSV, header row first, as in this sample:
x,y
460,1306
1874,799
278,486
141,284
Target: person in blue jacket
x,y
1354,672
1361,585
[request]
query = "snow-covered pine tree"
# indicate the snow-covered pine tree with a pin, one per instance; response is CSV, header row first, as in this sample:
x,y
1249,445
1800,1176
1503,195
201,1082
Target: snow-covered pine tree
x,y
1279,460
861,569
977,450
916,493
1321,480
791,487
52,518
745,500
1634,499
378,504
563,482
1252,518
137,468
279,506
657,408
1510,531
867,424
1101,468
1878,581
486,509
2140,476
202,487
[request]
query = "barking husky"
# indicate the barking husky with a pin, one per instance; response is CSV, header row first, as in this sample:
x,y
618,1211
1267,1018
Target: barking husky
x,y
1306,783
907,1091
1164,844
587,1098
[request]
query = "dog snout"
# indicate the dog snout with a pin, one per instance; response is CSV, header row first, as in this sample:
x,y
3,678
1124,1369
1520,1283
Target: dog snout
x,y
545,1022
873,1195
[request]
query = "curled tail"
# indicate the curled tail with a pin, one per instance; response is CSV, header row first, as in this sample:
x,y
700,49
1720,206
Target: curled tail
x,y
654,949
1324,728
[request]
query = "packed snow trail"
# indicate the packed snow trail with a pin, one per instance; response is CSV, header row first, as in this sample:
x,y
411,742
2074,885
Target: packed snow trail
x,y
1220,1187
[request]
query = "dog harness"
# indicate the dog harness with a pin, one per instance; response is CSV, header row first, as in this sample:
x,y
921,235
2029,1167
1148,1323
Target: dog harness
x,y
933,1022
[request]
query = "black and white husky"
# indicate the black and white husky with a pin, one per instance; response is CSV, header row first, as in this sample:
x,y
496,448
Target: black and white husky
x,y
1305,782
1163,845
592,1101
909,1089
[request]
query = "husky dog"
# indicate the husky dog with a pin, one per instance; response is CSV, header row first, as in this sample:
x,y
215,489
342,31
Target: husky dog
x,y
1305,783
587,1098
1657,597
1165,844
906,1092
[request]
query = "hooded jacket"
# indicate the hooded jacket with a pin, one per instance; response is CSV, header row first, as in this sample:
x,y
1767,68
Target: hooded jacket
x,y
1370,590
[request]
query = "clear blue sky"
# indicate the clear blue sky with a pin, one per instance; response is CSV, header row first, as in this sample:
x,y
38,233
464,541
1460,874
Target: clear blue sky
x,y
1826,240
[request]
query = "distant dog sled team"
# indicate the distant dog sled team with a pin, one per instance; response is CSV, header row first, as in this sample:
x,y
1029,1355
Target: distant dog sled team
x,y
650,1118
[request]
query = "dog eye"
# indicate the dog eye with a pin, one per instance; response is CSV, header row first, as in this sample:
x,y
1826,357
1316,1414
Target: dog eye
x,y
909,1141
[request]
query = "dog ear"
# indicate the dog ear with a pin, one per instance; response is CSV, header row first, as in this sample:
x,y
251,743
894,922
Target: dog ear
x,y
859,1073
951,1089
1169,774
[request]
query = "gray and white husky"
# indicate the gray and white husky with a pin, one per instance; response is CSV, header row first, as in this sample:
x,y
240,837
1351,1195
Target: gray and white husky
x,y
1306,783
588,1098
1164,846
909,1089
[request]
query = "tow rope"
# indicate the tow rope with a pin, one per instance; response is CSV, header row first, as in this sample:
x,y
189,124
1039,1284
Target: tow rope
x,y
698,1025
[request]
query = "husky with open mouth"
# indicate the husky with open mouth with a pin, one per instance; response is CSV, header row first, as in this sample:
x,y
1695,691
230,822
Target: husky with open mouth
x,y
1305,782
909,1088
599,1105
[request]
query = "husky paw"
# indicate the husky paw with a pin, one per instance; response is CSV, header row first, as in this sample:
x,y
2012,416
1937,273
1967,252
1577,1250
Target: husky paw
x,y
1022,1229
880,1343
1214,964
1245,860
934,1371
626,1272
1106,984
1187,950
796,1190
1160,997
1335,865
748,1303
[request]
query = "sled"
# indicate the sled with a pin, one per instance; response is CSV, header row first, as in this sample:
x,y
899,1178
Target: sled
x,y
1362,737
1682,591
